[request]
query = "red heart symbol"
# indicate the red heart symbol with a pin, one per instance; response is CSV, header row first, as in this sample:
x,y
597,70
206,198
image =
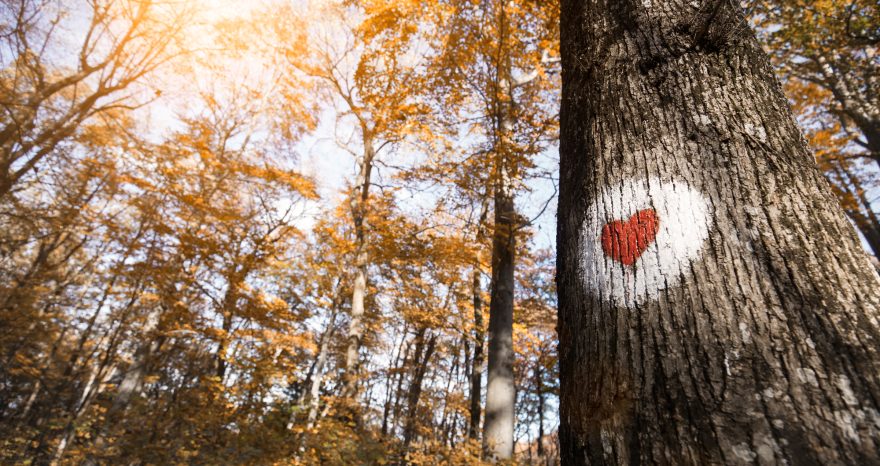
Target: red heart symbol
x,y
626,241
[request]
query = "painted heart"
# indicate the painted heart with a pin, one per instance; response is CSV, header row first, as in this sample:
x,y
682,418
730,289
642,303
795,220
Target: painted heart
x,y
626,240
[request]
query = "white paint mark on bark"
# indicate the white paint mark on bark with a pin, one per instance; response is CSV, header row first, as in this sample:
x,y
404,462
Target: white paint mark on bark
x,y
641,236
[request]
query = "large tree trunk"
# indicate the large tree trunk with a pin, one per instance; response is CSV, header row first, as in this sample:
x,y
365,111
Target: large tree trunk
x,y
715,304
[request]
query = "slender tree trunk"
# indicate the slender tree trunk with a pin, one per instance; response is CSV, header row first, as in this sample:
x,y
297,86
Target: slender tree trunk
x,y
131,383
313,398
310,398
479,333
476,382
539,388
715,305
395,410
420,367
359,200
855,107
452,378
394,375
93,387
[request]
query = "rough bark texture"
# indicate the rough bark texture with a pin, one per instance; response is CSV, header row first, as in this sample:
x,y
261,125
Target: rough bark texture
x,y
761,346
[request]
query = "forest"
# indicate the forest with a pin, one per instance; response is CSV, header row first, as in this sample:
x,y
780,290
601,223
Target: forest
x,y
425,232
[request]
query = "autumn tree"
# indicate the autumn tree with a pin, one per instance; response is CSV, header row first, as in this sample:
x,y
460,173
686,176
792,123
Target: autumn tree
x,y
492,75
369,87
823,54
46,99
715,304
832,45
851,178
536,366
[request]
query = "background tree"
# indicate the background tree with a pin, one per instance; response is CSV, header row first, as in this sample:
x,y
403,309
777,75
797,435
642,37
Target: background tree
x,y
46,99
488,76
832,45
370,86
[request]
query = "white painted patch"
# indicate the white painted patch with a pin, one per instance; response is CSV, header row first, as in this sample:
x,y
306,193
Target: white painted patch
x,y
683,217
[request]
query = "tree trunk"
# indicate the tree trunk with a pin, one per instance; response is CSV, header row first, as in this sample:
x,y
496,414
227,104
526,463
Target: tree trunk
x,y
539,389
854,105
500,390
394,375
715,305
314,395
311,395
358,204
477,364
420,367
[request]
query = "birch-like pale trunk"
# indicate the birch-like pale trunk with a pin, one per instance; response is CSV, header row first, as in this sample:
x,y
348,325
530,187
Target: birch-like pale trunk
x,y
716,306
313,399
358,204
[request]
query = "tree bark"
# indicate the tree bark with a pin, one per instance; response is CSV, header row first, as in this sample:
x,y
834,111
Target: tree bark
x,y
477,363
500,389
539,390
479,333
420,367
751,337
358,204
